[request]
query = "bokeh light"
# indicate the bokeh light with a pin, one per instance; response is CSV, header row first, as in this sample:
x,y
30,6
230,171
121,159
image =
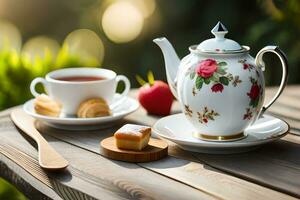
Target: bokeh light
x,y
122,21
10,36
86,44
147,7
40,46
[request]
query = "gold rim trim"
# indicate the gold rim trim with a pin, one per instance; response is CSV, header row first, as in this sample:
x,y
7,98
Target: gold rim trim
x,y
220,138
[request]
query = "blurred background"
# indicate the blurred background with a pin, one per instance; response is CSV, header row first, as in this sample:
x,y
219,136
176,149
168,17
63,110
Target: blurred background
x,y
37,36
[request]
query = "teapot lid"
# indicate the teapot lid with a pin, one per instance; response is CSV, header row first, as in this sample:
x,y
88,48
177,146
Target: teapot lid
x,y
219,44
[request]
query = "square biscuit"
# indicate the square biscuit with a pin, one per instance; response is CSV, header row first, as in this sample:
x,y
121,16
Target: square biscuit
x,y
131,136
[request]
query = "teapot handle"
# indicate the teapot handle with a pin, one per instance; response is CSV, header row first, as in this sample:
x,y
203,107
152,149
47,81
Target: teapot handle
x,y
260,63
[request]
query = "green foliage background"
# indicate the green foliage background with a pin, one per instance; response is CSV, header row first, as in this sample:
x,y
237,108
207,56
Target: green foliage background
x,y
8,192
18,70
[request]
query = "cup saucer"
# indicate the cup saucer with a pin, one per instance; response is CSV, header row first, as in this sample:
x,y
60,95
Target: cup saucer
x,y
178,130
128,106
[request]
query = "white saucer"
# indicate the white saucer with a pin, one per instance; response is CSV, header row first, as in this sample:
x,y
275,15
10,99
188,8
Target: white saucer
x,y
177,129
72,123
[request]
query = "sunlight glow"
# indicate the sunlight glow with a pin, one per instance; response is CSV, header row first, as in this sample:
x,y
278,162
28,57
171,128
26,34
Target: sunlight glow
x,y
147,7
40,46
86,44
10,36
122,22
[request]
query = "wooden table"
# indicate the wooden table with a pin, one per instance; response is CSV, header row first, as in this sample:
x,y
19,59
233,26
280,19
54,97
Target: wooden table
x,y
271,172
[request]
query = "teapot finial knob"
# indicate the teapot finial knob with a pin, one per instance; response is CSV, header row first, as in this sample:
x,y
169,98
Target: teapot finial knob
x,y
219,31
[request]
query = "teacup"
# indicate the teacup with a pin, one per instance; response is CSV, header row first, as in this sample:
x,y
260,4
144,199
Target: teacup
x,y
72,86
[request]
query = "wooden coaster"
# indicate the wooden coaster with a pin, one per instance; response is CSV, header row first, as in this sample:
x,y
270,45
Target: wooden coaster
x,y
155,150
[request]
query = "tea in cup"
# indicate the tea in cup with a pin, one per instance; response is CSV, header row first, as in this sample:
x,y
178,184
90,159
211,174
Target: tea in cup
x,y
72,86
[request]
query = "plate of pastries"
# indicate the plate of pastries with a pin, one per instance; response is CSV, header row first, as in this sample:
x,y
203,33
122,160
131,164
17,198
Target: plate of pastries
x,y
92,113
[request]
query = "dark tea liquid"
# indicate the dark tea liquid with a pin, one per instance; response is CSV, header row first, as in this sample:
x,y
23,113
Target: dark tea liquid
x,y
80,78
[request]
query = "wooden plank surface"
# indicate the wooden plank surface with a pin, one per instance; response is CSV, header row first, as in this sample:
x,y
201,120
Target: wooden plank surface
x,y
206,180
287,106
201,176
23,180
92,176
259,167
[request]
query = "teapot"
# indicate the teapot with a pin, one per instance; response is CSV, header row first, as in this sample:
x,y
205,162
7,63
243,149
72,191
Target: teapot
x,y
219,85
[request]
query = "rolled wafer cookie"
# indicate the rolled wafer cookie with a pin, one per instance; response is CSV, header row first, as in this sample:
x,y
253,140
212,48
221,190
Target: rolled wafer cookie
x,y
44,105
96,107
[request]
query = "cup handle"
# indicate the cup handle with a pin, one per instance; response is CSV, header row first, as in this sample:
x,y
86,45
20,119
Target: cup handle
x,y
34,83
124,93
260,63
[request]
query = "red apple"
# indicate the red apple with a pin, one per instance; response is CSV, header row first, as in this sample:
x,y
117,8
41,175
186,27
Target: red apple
x,y
155,97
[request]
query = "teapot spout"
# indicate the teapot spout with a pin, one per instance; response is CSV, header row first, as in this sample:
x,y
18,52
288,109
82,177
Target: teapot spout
x,y
171,62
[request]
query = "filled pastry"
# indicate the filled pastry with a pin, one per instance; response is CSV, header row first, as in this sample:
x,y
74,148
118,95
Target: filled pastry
x,y
96,107
133,137
44,105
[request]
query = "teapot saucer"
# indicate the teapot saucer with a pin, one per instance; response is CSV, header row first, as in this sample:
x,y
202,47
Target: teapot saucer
x,y
177,129
73,123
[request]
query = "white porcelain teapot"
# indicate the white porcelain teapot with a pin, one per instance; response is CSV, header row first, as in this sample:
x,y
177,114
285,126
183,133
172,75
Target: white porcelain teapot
x,y
220,87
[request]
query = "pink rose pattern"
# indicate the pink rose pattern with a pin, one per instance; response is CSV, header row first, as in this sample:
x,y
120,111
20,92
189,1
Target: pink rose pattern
x,y
206,115
206,68
246,66
254,95
255,91
218,87
210,71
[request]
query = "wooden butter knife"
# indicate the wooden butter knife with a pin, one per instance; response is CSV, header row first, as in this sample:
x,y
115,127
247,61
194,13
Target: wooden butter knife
x,y
48,158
